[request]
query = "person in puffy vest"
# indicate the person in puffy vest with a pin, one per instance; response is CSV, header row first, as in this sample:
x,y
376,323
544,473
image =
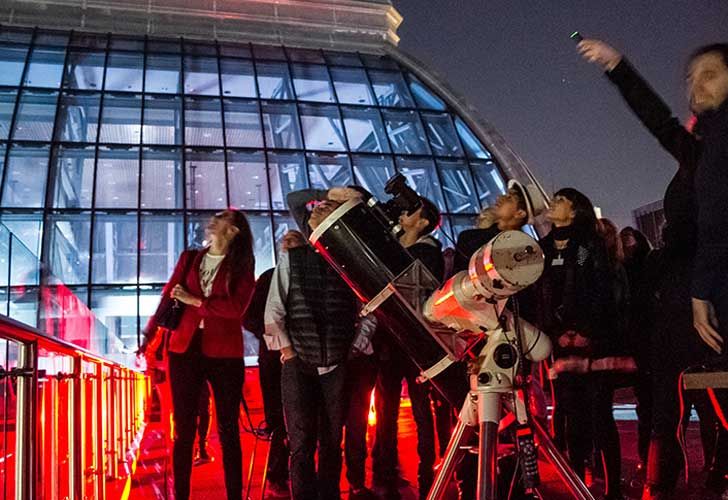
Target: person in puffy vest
x,y
310,317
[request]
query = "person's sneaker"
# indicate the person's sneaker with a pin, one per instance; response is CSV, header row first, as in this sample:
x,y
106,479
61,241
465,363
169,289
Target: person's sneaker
x,y
277,490
203,458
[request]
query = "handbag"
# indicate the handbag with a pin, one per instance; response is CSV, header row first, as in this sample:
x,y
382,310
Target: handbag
x,y
170,310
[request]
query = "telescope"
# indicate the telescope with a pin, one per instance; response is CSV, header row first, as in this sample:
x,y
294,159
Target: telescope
x,y
437,326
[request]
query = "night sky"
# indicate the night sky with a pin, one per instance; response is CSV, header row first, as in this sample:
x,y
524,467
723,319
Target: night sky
x,y
513,60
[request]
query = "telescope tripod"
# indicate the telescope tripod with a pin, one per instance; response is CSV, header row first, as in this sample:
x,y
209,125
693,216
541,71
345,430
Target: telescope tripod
x,y
492,390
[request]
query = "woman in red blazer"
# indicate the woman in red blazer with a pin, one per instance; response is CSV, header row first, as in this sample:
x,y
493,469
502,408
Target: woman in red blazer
x,y
215,284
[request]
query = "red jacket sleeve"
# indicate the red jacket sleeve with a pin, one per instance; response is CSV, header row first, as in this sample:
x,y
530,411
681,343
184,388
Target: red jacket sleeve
x,y
176,278
229,306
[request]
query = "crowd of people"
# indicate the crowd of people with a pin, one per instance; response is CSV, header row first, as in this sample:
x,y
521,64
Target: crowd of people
x,y
617,311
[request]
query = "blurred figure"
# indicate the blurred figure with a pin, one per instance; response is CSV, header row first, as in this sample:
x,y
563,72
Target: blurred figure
x,y
269,370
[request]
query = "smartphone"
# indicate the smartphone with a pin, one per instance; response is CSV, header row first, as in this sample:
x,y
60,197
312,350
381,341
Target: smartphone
x,y
576,36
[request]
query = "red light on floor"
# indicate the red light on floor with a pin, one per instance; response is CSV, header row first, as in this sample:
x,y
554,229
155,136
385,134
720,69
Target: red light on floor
x,y
372,419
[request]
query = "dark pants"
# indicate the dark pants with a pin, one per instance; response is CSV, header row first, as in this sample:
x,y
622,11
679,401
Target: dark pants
x,y
269,369
387,397
585,402
203,418
675,346
188,373
314,407
361,375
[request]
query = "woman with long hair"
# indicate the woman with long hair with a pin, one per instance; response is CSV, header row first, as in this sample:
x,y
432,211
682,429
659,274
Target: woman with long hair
x,y
577,310
215,285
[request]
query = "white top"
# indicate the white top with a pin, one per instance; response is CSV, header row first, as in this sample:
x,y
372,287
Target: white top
x,y
208,270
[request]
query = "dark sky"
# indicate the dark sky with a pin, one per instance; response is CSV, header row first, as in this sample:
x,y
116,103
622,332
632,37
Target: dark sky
x,y
513,60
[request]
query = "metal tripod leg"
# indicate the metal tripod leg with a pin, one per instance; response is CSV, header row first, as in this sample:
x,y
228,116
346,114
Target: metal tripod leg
x,y
489,409
568,476
461,435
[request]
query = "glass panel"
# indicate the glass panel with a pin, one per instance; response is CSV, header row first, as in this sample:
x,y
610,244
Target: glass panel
x,y
26,227
78,118
161,178
280,124
460,223
74,175
115,248
443,233
162,120
116,310
242,124
163,74
458,186
7,107
352,86
117,178
377,61
422,177
238,78
201,76
391,89
305,55
3,148
274,81
488,182
328,170
342,58
89,40
473,147
25,181
162,240
45,67
200,49
286,173
205,172
12,62
260,226
69,247
441,132
312,83
36,115
84,70
282,223
269,52
247,174
121,119
125,72
126,43
196,224
48,37
167,45
203,122
235,50
424,97
364,130
405,132
24,304
372,173
16,34
322,129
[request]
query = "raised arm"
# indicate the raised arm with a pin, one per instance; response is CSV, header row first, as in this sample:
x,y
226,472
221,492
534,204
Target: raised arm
x,y
644,102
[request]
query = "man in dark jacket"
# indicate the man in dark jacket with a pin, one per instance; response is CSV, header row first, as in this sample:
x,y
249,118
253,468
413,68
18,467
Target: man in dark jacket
x,y
395,366
310,317
269,370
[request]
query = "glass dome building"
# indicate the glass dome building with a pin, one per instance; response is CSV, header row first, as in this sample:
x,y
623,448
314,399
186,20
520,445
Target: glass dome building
x,y
118,140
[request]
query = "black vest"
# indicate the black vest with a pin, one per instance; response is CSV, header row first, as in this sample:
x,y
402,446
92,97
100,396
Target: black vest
x,y
321,310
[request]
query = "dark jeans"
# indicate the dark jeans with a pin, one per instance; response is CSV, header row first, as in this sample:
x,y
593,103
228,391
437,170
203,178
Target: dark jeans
x,y
203,417
387,397
269,370
361,375
314,407
585,402
188,373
